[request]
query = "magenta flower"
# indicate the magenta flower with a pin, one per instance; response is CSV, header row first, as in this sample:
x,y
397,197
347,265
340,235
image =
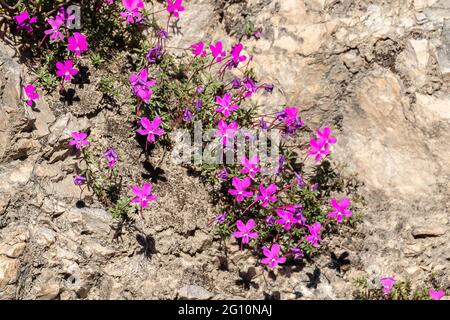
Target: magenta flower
x,y
77,43
66,69
266,194
226,131
79,180
174,7
221,218
289,117
131,14
325,135
141,85
54,32
272,256
111,157
225,105
236,54
314,234
340,209
286,219
250,165
223,174
320,146
436,295
198,49
240,188
217,51
25,22
387,283
143,195
245,231
31,94
150,128
79,140
187,115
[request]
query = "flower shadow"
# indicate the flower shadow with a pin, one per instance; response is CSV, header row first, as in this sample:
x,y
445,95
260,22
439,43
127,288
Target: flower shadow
x,y
246,279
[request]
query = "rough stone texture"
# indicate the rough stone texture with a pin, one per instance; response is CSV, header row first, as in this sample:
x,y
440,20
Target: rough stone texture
x,y
377,72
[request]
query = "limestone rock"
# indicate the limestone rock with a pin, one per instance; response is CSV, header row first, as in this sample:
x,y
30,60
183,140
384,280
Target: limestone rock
x,y
424,232
194,292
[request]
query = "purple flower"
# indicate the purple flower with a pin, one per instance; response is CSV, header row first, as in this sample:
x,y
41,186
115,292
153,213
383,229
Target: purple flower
x,y
281,161
198,49
263,124
79,140
314,234
270,220
269,88
131,13
77,43
340,209
54,32
141,86
174,7
250,87
436,295
111,156
223,174
250,165
217,51
25,22
236,83
245,231
226,131
154,54
240,188
286,219
162,34
79,180
272,258
266,194
66,70
150,128
200,89
187,115
387,283
31,94
221,218
143,195
198,104
299,178
225,105
298,253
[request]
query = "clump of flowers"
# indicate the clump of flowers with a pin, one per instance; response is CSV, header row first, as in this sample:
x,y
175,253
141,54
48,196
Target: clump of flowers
x,y
272,205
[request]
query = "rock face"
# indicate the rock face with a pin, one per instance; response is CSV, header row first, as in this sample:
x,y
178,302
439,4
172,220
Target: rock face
x,y
376,72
